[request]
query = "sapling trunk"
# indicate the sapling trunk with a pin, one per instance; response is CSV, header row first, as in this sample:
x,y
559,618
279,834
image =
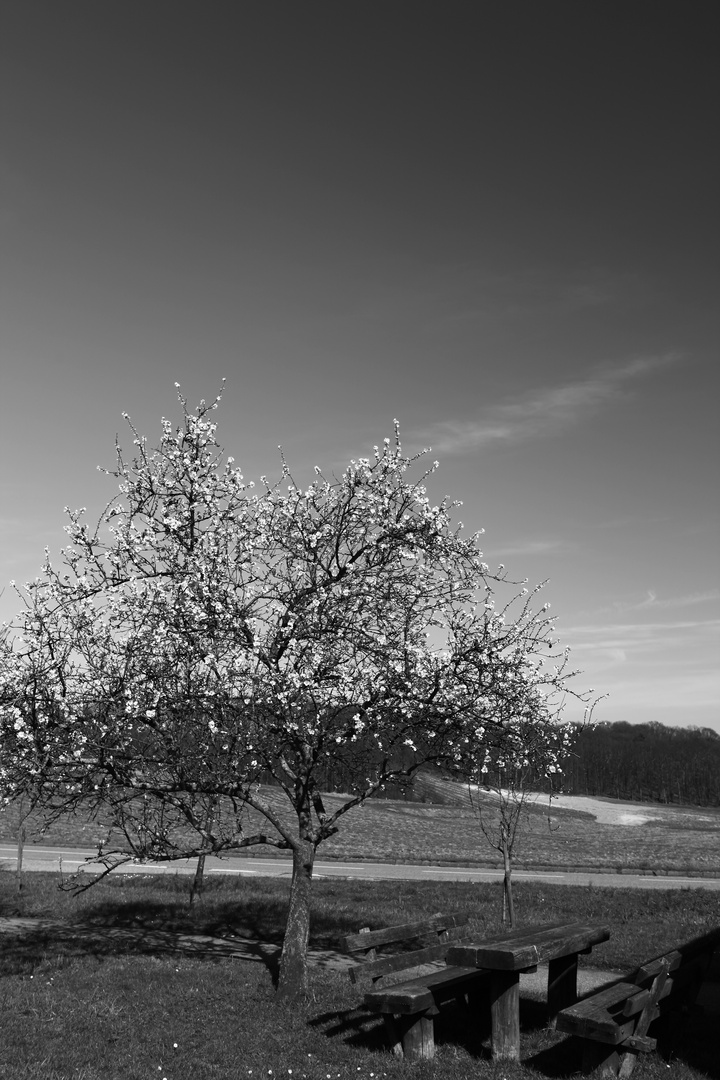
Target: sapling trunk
x,y
198,880
508,905
20,849
197,885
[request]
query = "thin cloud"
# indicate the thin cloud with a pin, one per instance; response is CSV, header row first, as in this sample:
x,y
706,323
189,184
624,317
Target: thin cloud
x,y
651,602
641,630
651,642
529,547
545,412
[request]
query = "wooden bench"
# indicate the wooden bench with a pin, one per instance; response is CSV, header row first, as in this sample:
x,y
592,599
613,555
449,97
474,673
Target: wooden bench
x,y
613,1022
409,1006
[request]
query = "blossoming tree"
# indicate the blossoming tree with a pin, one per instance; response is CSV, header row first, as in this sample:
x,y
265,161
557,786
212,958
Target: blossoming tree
x,y
205,636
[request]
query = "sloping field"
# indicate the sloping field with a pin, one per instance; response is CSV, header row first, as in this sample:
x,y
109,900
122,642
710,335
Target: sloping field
x,y
581,834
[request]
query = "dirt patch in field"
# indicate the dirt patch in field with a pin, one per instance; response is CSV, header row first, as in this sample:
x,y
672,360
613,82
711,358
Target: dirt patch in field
x,y
612,812
606,811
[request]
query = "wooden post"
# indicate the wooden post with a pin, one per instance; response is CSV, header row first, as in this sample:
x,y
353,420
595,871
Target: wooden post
x,y
505,1013
562,985
417,1036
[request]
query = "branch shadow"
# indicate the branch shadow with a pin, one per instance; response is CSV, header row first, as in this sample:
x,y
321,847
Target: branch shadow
x,y
26,947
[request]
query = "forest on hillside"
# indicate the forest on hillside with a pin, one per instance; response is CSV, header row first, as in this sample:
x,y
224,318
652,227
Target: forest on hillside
x,y
645,763
637,762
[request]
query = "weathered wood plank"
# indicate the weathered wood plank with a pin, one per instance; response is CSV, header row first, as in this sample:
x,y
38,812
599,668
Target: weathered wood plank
x,y
384,965
532,945
391,935
424,991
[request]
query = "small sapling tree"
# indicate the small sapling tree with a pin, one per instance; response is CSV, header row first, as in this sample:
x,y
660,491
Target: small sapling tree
x,y
517,756
205,635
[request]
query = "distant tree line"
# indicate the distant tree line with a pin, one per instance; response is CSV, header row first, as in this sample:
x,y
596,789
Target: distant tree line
x,y
645,763
639,762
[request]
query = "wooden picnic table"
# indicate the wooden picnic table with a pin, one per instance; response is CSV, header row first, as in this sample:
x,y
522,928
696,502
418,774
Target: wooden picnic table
x,y
508,955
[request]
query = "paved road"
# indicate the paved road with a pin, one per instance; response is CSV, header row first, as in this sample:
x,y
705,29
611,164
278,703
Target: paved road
x,y
69,860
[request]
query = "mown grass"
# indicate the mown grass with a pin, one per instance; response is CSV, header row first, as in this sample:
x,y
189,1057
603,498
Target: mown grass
x,y
111,1014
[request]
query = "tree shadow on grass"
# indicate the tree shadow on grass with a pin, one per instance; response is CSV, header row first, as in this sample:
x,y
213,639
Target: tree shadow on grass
x,y
261,920
260,917
25,948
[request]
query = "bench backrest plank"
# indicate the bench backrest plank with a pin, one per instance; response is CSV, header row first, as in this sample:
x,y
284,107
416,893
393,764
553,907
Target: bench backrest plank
x,y
392,935
434,936
704,945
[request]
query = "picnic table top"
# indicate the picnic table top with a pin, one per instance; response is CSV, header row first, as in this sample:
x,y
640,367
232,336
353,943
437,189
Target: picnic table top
x,y
529,946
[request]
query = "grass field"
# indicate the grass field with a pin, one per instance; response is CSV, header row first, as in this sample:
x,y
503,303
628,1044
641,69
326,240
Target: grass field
x,y
683,840
72,1011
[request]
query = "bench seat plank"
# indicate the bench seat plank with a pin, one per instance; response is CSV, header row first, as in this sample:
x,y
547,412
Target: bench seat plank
x,y
596,1017
424,991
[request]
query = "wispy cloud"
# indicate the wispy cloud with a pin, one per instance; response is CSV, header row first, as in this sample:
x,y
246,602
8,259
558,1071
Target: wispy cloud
x,y
678,643
651,601
528,547
543,412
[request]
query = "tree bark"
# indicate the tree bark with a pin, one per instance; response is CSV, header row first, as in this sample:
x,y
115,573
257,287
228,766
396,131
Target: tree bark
x,y
508,904
20,848
197,885
293,979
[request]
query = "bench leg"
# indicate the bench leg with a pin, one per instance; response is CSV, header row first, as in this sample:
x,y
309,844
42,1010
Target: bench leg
x,y
562,985
600,1059
411,1037
505,1013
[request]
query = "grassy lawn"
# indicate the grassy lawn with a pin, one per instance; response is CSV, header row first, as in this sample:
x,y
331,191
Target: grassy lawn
x,y
114,1014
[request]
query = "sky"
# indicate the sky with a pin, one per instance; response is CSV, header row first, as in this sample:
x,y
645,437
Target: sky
x,y
497,223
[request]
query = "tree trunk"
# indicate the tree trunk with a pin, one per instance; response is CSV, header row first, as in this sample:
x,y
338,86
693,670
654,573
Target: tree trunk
x,y
293,980
20,848
197,885
199,879
508,905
